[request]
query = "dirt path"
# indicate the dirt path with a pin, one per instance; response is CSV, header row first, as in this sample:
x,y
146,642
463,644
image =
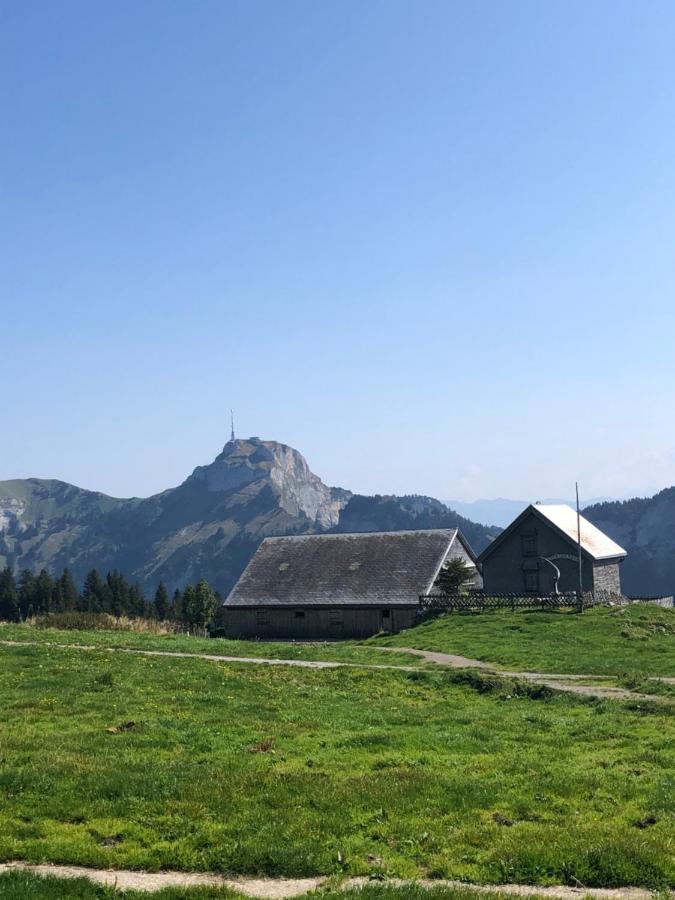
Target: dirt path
x,y
555,682
282,888
212,657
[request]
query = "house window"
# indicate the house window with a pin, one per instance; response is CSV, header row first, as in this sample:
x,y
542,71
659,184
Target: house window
x,y
532,582
529,543
299,614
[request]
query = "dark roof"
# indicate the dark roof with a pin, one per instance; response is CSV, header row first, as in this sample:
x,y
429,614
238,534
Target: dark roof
x,y
372,568
563,519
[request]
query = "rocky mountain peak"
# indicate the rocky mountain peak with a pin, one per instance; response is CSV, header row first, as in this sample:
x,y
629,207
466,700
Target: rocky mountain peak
x,y
244,462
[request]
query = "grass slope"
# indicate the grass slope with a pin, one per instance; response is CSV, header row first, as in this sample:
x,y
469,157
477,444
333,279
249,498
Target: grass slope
x,y
342,651
603,641
150,762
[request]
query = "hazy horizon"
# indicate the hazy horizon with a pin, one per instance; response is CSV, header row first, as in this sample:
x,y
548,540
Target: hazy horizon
x,y
456,502
428,245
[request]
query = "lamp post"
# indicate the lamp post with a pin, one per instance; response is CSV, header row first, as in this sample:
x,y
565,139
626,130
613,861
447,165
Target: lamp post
x,y
556,574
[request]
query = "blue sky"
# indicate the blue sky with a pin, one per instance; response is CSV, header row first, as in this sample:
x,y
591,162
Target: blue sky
x,y
429,244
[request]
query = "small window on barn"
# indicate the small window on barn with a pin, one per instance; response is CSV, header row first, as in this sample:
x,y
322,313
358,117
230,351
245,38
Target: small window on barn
x,y
532,582
299,614
262,617
386,613
529,543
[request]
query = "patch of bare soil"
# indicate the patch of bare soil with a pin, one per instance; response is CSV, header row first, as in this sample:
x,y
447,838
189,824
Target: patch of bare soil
x,y
283,888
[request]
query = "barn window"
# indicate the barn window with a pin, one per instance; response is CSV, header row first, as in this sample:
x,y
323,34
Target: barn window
x,y
299,614
262,617
529,543
386,613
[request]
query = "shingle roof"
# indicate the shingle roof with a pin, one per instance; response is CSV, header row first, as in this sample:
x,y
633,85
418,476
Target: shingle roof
x,y
379,568
563,518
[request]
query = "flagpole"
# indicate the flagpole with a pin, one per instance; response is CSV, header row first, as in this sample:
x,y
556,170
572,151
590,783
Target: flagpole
x,y
581,580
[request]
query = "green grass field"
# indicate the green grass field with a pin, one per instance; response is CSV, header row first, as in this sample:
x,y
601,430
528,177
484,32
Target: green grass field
x,y
126,761
339,651
602,641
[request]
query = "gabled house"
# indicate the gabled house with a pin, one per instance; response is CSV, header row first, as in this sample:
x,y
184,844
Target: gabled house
x,y
339,585
521,559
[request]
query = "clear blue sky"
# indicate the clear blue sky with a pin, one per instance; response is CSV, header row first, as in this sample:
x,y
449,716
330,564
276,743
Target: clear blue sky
x,y
430,244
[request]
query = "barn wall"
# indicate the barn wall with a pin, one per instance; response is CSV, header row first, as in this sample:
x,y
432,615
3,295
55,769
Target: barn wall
x,y
305,623
504,569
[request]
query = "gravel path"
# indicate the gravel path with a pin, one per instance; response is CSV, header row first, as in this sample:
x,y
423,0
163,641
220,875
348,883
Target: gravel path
x,y
282,888
555,682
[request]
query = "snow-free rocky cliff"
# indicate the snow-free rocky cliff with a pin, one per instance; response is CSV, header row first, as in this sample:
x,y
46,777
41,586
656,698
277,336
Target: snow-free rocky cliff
x,y
209,526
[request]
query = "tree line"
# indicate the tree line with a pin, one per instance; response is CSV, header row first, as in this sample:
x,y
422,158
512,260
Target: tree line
x,y
36,595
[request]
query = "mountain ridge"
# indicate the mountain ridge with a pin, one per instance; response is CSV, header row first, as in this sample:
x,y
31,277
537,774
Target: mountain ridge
x,y
208,526
645,526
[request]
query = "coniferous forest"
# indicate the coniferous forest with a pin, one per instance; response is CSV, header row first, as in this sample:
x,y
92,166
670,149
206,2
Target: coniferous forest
x,y
28,596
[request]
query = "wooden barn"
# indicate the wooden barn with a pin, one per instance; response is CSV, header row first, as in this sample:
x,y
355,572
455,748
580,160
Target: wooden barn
x,y
522,558
339,585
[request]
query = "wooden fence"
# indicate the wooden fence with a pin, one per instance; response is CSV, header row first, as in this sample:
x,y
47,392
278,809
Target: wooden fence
x,y
477,601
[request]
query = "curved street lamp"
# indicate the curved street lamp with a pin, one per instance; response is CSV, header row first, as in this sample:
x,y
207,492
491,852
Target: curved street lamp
x,y
556,574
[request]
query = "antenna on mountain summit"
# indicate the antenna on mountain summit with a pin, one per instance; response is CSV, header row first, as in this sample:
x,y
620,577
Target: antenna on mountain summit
x,y
232,424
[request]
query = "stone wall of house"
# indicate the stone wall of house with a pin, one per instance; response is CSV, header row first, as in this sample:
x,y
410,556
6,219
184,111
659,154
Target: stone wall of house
x,y
314,623
607,576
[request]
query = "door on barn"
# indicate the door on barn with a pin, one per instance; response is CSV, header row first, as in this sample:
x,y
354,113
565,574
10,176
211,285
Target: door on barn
x,y
386,620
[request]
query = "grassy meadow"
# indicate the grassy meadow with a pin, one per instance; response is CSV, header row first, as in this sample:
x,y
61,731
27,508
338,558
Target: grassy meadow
x,y
126,761
338,651
637,639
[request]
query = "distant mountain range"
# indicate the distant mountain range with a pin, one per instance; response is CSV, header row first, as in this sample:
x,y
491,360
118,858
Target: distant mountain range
x,y
209,526
502,511
212,523
646,529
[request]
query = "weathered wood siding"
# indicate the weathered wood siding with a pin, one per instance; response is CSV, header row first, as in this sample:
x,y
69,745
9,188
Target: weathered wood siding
x,y
306,623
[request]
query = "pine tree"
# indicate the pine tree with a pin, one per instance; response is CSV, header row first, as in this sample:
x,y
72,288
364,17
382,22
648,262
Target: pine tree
x,y
91,599
68,590
9,596
136,601
56,603
199,604
116,595
26,592
207,602
454,576
177,607
189,606
161,602
42,593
